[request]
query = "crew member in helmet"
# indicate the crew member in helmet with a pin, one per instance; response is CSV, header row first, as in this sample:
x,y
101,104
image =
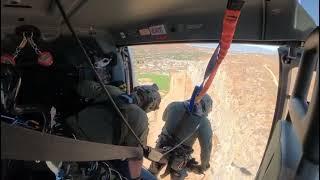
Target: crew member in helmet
x,y
99,122
182,125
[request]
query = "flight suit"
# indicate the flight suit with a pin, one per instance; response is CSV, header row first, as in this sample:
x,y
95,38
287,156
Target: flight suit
x,y
179,124
99,122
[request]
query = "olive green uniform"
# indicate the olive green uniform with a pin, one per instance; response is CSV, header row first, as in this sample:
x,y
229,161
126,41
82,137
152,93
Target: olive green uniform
x,y
179,124
99,122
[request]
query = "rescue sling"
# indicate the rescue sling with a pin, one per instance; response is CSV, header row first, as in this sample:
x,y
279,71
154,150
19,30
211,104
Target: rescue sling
x,y
231,16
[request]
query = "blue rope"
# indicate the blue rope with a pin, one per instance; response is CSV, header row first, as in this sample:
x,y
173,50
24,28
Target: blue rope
x,y
60,175
195,93
16,121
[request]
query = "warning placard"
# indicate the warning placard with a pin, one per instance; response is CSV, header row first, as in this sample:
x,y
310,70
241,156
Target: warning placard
x,y
157,30
144,32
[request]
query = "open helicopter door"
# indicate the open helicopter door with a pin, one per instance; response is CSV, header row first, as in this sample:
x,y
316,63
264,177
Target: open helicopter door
x,y
292,151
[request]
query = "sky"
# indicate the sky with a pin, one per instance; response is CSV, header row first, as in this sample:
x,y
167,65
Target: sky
x,y
312,7
242,48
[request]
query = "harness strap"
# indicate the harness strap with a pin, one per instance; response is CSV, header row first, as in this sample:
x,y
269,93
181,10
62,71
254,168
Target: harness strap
x,y
23,144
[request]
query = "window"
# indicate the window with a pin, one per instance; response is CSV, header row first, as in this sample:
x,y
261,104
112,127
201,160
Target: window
x,y
312,8
244,93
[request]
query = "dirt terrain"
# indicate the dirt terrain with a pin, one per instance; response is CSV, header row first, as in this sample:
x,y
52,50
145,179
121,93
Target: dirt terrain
x,y
244,93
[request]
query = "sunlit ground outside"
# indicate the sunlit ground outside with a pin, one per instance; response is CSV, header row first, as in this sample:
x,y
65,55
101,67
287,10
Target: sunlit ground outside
x,y
244,93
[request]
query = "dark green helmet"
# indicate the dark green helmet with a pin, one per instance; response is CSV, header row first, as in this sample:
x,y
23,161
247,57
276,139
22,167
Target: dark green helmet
x,y
206,104
147,97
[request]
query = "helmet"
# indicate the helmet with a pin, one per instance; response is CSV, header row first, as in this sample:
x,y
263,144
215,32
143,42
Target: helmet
x,y
206,104
147,97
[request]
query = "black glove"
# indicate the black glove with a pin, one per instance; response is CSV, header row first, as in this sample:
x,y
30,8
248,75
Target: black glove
x,y
192,162
197,169
193,166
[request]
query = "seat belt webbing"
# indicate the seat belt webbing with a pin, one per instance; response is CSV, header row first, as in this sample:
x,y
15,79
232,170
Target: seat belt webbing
x,y
24,144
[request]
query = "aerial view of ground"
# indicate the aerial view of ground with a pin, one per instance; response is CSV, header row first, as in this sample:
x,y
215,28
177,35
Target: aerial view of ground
x,y
244,94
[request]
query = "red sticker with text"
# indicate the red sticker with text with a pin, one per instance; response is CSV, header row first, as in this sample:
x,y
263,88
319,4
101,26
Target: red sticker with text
x,y
158,30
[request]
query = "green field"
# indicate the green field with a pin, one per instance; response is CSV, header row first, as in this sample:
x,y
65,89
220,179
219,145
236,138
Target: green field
x,y
162,80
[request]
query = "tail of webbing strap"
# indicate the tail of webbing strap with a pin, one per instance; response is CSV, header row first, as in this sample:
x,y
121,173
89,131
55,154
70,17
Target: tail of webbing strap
x,y
230,20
